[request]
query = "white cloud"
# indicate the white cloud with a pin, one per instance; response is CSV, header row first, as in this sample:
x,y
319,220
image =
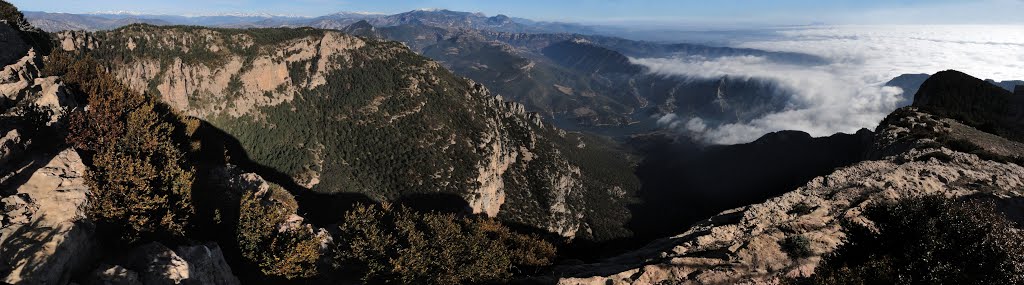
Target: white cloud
x,y
848,93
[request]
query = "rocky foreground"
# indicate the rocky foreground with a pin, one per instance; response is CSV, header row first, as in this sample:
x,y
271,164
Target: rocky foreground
x,y
912,157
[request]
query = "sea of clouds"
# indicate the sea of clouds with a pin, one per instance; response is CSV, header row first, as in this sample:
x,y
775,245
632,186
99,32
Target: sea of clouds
x,y
848,93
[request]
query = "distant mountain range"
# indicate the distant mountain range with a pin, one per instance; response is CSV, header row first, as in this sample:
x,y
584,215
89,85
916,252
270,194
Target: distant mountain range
x,y
566,72
569,73
53,22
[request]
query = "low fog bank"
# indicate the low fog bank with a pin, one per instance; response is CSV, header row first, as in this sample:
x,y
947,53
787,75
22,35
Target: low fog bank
x,y
849,92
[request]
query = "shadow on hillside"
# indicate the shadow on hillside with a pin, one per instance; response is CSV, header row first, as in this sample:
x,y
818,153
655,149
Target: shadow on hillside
x,y
318,208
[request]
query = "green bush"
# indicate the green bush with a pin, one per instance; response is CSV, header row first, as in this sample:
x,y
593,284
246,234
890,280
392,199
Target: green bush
x,y
931,240
288,253
395,245
797,246
140,182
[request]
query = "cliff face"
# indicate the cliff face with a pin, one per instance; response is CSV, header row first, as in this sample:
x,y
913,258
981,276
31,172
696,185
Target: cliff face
x,y
226,81
341,114
911,158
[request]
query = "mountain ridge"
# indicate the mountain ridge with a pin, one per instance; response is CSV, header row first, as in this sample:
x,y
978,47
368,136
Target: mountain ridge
x,y
494,148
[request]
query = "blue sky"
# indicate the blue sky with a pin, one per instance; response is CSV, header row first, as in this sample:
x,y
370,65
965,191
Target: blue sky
x,y
596,11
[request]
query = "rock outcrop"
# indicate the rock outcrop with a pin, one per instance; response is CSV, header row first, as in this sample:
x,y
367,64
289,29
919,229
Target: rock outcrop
x,y
154,263
16,78
76,40
744,245
45,237
234,85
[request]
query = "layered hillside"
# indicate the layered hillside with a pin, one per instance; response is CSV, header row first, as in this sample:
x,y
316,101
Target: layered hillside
x,y
618,98
589,82
846,226
345,115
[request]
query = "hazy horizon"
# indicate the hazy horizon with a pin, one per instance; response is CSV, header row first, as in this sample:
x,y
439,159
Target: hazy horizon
x,y
648,13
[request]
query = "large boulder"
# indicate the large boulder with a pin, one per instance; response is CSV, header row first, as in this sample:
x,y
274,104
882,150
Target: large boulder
x,y
156,264
17,77
53,98
207,265
45,237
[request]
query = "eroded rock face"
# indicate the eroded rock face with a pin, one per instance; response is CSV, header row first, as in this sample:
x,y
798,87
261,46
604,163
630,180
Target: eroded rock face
x,y
45,237
76,40
16,78
237,85
743,245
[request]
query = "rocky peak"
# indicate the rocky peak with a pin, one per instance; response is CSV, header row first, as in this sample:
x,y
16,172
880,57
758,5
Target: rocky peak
x,y
499,20
951,85
362,29
76,41
977,103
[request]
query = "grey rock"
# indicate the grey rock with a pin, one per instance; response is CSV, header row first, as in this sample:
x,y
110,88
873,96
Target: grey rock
x,y
207,265
154,263
157,265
